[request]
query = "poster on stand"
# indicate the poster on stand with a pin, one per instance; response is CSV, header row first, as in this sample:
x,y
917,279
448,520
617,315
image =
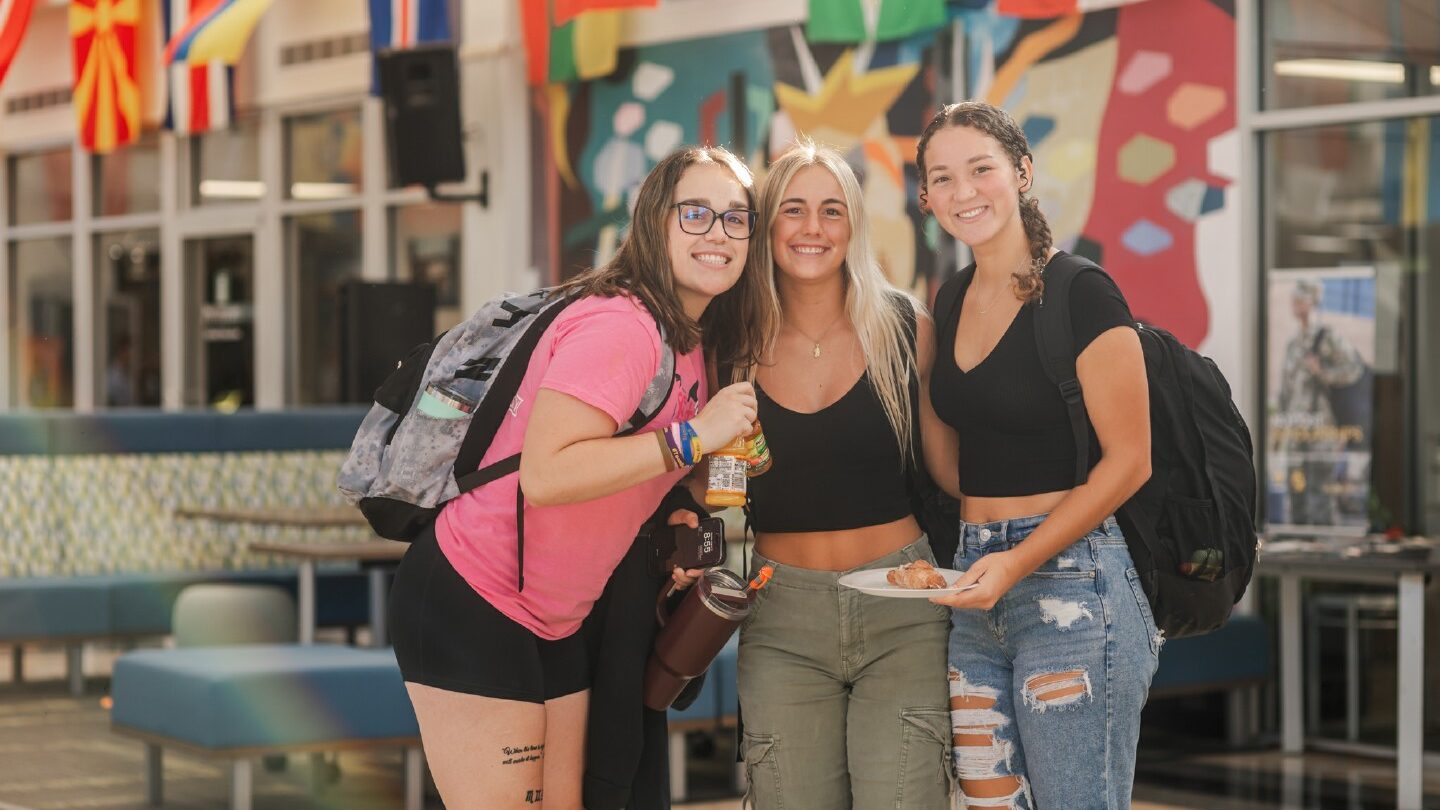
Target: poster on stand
x,y
1320,398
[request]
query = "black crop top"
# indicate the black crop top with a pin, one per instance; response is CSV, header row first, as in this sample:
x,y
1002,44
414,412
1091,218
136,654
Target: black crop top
x,y
1015,436
838,468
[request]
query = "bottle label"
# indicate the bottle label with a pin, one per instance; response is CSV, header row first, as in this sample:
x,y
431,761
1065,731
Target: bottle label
x,y
727,474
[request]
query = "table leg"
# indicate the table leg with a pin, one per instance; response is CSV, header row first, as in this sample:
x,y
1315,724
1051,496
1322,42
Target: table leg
x,y
1409,740
154,774
1292,716
379,636
242,790
307,602
414,778
1352,672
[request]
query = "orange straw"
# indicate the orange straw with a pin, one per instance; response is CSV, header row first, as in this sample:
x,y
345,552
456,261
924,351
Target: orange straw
x,y
761,578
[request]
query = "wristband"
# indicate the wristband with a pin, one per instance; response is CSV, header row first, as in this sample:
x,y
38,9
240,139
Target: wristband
x,y
671,462
671,436
690,444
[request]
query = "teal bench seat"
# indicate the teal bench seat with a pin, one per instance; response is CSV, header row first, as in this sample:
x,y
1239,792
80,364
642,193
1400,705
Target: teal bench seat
x,y
244,702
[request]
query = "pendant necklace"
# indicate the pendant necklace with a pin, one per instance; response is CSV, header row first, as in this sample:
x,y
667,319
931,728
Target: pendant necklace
x,y
815,352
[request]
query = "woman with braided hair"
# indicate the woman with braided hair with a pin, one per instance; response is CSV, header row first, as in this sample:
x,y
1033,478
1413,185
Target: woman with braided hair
x,y
1052,649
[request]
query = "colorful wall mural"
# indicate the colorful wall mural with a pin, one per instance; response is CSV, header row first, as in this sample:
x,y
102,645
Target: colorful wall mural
x,y
1130,111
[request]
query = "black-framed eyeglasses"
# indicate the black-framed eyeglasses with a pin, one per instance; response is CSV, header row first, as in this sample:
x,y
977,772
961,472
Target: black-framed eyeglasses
x,y
697,220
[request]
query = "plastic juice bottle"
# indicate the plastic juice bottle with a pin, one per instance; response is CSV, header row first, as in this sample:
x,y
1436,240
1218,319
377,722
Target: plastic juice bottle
x,y
758,453
728,466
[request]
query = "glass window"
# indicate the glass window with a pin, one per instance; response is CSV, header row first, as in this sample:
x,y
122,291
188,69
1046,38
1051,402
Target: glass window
x,y
40,187
1346,204
1335,53
219,323
42,343
127,306
225,164
324,253
425,249
322,155
127,181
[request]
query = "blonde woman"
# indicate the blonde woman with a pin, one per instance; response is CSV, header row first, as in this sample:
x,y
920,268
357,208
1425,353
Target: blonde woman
x,y
841,693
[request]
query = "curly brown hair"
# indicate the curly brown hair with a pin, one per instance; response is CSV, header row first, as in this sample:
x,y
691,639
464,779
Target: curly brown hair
x,y
1000,125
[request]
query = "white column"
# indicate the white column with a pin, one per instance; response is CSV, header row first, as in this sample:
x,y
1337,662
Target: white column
x,y
1410,697
172,279
374,227
272,321
7,329
82,280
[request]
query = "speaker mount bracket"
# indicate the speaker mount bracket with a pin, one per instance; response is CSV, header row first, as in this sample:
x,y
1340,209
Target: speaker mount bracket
x,y
482,197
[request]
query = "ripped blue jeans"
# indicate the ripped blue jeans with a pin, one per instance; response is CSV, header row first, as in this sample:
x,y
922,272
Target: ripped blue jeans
x,y
1054,675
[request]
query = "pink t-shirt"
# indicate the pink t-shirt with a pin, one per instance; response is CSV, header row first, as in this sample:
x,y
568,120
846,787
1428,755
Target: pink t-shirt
x,y
602,351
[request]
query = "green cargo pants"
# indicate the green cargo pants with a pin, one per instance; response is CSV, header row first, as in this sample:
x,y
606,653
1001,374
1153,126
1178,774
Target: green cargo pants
x,y
843,696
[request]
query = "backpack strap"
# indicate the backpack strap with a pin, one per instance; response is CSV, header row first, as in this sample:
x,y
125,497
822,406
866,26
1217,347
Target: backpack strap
x,y
1055,340
657,393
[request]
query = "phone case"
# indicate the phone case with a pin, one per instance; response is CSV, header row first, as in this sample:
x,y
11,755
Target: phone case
x,y
682,546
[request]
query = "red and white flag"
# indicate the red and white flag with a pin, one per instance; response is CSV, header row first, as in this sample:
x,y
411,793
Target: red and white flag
x,y
200,95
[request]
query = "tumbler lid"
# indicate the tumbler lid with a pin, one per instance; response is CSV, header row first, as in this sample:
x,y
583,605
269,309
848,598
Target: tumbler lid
x,y
725,594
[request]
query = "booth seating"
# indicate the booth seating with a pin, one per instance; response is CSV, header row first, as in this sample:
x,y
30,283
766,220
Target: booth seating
x,y
242,703
75,609
1235,660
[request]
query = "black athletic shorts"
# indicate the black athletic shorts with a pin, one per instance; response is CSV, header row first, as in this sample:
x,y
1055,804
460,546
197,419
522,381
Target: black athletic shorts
x,y
447,636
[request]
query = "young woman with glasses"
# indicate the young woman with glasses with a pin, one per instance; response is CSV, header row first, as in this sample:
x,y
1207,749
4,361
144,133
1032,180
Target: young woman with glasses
x,y
1053,648
498,675
840,693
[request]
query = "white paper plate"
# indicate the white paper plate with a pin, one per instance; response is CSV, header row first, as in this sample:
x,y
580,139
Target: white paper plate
x,y
873,582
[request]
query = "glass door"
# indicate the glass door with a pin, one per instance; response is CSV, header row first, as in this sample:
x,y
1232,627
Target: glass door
x,y
220,322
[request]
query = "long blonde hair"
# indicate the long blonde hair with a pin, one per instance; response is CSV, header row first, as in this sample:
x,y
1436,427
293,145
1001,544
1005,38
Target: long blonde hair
x,y
873,305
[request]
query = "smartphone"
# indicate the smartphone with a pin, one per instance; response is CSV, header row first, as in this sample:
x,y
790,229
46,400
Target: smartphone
x,y
682,546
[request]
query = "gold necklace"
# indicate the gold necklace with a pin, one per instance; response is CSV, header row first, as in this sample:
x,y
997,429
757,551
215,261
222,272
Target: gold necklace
x,y
993,300
815,352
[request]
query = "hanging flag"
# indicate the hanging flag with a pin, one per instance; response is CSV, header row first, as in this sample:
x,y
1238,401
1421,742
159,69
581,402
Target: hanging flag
x,y
1045,9
14,15
573,40
843,21
106,97
404,24
215,29
201,97
587,47
566,10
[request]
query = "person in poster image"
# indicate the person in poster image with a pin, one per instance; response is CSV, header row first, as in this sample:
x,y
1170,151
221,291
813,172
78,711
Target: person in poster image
x,y
1317,359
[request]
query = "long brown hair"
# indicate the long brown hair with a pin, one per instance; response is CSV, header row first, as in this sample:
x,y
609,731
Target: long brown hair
x,y
998,124
641,266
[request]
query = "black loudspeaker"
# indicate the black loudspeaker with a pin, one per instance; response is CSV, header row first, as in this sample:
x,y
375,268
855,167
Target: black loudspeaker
x,y
421,90
380,323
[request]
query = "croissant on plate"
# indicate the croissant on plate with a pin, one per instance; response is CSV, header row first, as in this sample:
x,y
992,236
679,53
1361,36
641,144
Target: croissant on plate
x,y
918,575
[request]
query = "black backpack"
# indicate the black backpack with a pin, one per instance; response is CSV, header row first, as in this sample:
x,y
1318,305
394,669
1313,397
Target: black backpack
x,y
1191,527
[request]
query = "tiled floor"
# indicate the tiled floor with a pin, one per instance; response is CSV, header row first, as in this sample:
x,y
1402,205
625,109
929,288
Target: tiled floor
x,y
57,753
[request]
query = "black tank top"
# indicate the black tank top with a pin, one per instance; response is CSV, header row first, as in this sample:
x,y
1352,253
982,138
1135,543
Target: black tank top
x,y
838,468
